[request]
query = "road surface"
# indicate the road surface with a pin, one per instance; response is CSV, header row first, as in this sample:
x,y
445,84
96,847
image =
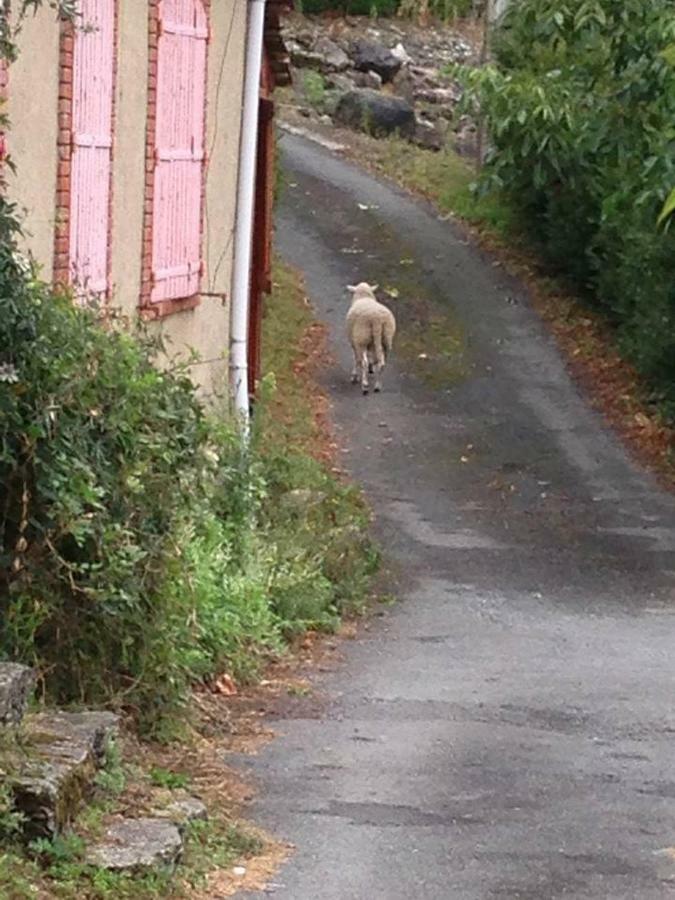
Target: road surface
x,y
508,728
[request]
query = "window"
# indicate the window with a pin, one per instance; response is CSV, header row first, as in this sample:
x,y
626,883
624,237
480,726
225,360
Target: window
x,y
178,157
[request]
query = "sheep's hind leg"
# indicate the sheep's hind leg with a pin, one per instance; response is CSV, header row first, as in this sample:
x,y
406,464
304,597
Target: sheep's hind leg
x,y
364,372
379,368
357,366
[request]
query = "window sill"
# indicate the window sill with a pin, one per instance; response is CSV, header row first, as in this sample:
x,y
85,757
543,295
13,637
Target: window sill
x,y
163,308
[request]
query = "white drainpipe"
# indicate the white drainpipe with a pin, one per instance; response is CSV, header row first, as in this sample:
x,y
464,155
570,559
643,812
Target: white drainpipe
x,y
243,232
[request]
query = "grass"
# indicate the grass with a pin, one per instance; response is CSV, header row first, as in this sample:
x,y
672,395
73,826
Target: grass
x,y
448,180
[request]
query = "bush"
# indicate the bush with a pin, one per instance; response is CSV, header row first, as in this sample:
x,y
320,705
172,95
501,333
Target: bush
x,y
580,106
351,7
443,9
141,549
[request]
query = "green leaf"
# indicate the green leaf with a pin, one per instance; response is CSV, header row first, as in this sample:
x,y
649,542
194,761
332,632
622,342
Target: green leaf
x,y
668,208
669,55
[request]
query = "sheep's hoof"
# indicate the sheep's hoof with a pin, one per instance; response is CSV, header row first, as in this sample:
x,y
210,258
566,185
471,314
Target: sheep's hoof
x,y
377,388
354,379
364,391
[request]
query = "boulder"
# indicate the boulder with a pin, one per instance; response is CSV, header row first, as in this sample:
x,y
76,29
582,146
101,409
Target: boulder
x,y
428,136
368,80
16,686
333,57
134,846
438,96
182,810
337,81
369,57
376,114
304,58
401,53
406,84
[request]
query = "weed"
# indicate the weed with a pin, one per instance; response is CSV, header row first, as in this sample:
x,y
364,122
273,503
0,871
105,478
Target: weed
x,y
112,778
11,820
314,88
164,778
60,849
216,845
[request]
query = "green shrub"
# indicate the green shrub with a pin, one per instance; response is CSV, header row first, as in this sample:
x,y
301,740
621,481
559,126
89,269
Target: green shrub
x,y
580,107
143,549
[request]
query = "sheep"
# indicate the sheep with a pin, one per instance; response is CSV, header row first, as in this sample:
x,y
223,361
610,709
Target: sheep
x,y
370,329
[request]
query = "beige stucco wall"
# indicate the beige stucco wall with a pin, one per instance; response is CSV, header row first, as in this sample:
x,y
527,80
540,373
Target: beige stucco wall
x,y
32,142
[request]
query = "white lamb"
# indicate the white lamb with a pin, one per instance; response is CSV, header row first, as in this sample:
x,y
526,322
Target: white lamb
x,y
370,328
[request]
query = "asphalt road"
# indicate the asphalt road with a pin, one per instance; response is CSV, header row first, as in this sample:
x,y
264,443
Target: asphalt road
x,y
508,728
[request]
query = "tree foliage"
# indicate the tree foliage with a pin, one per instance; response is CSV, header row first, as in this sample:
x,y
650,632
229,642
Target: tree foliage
x,y
580,105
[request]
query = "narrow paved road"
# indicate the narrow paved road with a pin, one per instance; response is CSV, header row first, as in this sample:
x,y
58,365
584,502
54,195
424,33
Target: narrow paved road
x,y
508,728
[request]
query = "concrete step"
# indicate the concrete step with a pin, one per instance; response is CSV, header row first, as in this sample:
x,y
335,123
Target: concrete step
x,y
60,755
17,684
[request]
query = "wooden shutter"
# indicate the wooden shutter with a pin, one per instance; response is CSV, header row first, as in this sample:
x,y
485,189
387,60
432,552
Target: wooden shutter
x,y
179,150
91,160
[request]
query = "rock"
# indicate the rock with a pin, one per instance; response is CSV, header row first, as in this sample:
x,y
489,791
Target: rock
x,y
182,810
134,846
375,113
302,58
401,53
16,686
439,96
369,57
339,82
428,136
405,84
63,731
334,58
368,80
64,750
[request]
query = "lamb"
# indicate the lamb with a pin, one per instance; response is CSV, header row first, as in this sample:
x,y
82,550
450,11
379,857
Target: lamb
x,y
370,328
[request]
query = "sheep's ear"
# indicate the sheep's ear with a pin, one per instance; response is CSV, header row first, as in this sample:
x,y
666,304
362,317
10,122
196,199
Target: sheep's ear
x,y
351,288
375,287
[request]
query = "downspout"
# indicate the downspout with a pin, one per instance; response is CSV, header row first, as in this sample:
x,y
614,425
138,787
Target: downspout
x,y
243,232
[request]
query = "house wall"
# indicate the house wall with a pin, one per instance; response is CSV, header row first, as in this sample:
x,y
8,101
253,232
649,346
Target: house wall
x,y
32,140
34,109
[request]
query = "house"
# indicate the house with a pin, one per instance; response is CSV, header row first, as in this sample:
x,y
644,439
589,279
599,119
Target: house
x,y
129,135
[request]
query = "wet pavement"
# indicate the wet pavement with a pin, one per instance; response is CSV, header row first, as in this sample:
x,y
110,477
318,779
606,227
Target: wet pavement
x,y
508,728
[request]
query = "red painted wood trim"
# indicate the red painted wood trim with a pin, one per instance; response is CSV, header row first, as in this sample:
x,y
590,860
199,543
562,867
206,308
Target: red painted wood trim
x,y
61,276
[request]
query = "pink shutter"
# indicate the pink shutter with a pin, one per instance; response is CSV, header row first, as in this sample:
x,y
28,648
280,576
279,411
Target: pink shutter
x,y
91,162
179,150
